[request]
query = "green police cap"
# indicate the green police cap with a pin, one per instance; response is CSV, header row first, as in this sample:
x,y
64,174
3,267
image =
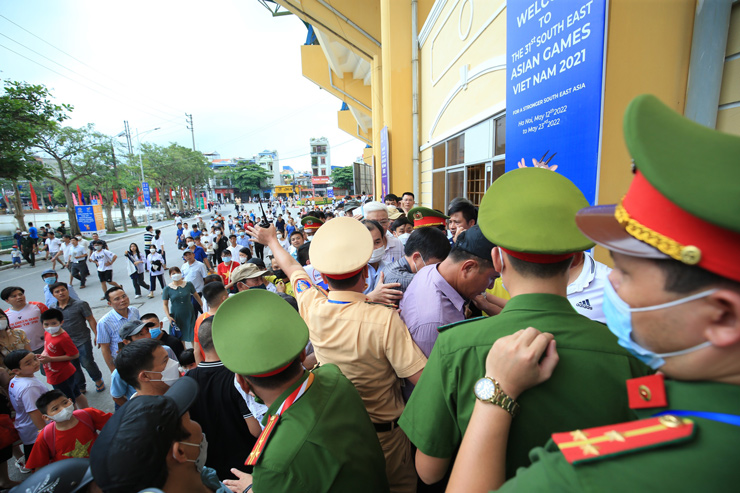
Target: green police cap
x,y
311,223
256,332
683,202
421,217
532,210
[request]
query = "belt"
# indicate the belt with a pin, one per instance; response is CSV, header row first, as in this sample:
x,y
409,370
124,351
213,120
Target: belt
x,y
383,427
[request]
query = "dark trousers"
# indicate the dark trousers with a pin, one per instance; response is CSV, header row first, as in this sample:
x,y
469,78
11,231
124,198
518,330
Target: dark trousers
x,y
196,306
259,250
153,282
138,280
87,362
79,271
29,256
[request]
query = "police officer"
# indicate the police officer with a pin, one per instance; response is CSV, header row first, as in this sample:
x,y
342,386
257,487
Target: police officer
x,y
673,300
528,213
367,341
317,435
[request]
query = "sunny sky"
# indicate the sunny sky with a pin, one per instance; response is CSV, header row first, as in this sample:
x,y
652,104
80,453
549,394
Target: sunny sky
x,y
229,63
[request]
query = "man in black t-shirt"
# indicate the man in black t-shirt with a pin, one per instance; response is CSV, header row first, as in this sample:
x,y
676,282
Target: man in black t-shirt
x,y
220,409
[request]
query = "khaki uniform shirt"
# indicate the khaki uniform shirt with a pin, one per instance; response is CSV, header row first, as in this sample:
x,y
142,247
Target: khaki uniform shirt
x,y
367,341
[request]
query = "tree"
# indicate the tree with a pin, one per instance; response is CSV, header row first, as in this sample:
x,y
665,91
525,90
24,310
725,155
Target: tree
x,y
248,177
69,147
106,178
25,112
343,177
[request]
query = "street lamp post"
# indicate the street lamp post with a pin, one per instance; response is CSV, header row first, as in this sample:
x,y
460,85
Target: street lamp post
x,y
141,164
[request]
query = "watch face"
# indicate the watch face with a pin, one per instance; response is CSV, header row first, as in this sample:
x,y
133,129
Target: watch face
x,y
484,389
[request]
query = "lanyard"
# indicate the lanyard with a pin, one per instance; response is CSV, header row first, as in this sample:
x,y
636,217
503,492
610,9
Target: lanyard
x,y
259,446
730,419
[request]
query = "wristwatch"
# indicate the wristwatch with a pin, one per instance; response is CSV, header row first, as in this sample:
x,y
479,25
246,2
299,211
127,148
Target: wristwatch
x,y
488,390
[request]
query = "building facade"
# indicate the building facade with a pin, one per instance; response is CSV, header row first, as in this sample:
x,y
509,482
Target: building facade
x,y
434,74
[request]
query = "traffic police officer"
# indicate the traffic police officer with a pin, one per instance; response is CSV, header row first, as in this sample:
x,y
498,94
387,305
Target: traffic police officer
x,y
674,302
317,435
529,214
367,341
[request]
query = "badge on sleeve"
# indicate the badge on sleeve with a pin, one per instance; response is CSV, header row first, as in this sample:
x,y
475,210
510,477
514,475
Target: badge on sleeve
x,y
302,285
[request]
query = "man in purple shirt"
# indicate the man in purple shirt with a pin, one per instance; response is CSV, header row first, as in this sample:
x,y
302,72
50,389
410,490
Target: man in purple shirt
x,y
438,293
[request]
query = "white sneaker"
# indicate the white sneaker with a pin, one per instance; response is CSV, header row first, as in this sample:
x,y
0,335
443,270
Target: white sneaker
x,y
137,296
21,465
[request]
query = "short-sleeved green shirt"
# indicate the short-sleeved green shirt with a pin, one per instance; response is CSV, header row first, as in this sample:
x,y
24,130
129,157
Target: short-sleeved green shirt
x,y
707,462
323,442
586,390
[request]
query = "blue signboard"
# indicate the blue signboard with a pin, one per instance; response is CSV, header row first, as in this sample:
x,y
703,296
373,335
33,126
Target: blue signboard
x,y
85,218
555,67
147,197
383,163
330,192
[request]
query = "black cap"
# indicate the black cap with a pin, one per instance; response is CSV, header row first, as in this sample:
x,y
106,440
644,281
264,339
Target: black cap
x,y
133,327
257,261
64,476
130,452
472,241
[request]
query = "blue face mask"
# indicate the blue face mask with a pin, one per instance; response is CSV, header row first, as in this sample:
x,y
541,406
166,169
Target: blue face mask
x,y
619,320
154,332
50,280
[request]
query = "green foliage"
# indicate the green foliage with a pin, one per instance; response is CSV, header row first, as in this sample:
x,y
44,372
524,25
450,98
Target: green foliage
x,y
249,177
342,177
25,112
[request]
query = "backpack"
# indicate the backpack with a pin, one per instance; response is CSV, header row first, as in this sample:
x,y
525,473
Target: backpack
x,y
50,430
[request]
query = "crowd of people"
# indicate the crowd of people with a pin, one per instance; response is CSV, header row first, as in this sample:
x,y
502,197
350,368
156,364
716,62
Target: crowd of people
x,y
383,346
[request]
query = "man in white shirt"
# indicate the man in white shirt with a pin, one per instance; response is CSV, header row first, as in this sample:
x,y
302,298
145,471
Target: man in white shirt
x,y
194,272
78,260
53,245
109,325
586,286
25,316
63,255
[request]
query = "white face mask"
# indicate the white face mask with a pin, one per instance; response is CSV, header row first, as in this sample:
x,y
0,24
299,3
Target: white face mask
x,y
377,255
242,260
404,238
170,374
153,250
53,329
177,277
3,324
200,461
63,415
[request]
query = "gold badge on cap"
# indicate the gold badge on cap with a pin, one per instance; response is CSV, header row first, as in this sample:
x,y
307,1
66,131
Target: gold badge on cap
x,y
418,215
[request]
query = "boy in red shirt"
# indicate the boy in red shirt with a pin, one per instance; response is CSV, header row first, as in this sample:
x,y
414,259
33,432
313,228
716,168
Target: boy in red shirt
x,y
59,351
70,434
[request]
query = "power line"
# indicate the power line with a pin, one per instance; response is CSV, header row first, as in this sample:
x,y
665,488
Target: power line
x,y
83,63
78,82
73,71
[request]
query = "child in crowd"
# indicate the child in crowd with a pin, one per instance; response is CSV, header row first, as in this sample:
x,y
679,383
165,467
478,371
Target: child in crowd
x,y
59,351
187,361
23,391
15,255
70,434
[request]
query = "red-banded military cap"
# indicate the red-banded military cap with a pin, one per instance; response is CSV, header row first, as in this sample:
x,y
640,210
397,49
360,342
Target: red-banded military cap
x,y
422,217
311,223
683,202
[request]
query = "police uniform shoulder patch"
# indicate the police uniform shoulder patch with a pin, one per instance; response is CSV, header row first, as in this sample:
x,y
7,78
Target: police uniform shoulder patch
x,y
581,446
302,285
462,322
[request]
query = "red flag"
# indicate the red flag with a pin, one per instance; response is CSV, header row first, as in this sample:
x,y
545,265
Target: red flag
x,y
115,197
139,197
101,198
191,194
156,190
50,201
34,199
79,195
170,197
